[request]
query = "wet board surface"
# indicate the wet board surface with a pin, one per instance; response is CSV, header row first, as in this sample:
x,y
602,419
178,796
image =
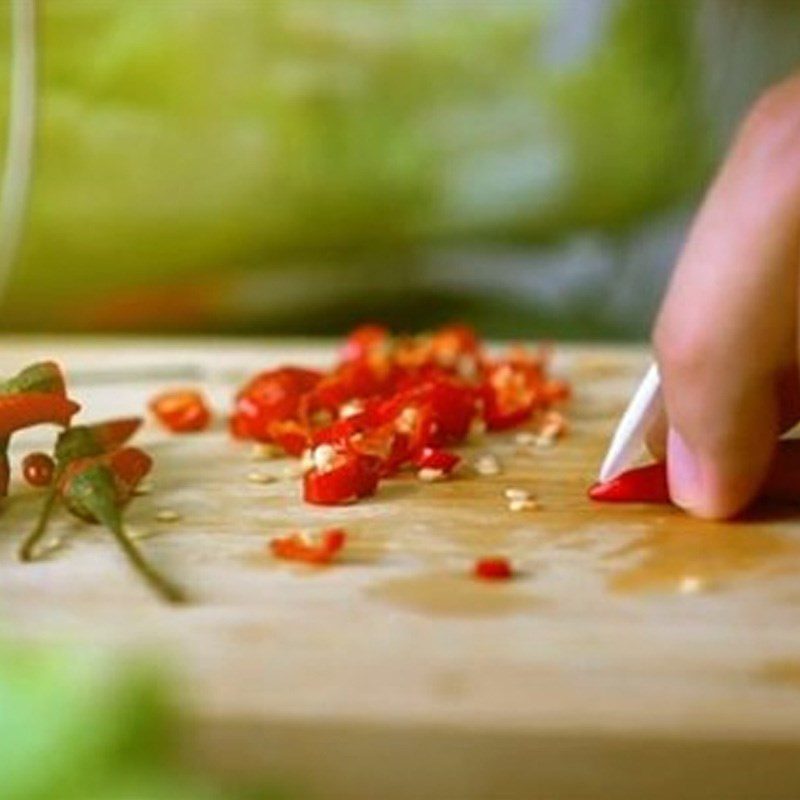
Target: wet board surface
x,y
638,653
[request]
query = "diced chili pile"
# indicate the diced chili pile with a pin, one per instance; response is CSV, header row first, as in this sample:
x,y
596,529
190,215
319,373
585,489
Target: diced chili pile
x,y
391,402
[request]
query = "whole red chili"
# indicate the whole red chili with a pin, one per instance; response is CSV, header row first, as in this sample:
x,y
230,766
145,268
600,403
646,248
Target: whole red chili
x,y
643,485
38,469
494,568
301,547
181,411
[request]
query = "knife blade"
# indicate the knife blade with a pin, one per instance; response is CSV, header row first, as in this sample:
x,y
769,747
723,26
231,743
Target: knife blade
x,y
628,440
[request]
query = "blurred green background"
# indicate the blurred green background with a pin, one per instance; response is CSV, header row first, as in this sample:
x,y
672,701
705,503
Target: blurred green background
x,y
295,166
81,724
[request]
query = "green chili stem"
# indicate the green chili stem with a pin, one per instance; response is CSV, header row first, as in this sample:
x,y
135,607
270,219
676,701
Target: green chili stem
x,y
26,549
167,590
5,469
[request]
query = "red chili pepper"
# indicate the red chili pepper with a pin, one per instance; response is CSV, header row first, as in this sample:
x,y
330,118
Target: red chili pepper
x,y
115,432
433,458
340,433
493,569
38,469
19,411
643,485
45,377
510,393
270,397
365,341
350,477
183,411
452,341
412,393
94,492
88,445
128,466
353,379
555,391
293,437
317,550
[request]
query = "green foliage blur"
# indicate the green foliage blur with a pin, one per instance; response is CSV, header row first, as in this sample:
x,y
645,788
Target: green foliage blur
x,y
295,165
81,725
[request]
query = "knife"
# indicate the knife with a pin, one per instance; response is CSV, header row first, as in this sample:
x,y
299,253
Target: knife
x,y
628,440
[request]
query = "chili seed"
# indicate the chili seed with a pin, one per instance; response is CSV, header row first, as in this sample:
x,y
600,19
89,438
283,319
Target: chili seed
x,y
431,475
322,457
487,465
351,409
259,477
523,505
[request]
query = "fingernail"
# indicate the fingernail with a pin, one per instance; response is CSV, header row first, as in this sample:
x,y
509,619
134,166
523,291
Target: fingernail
x,y
685,473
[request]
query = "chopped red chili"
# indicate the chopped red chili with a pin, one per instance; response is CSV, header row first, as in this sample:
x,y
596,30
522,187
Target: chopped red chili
x,y
433,458
320,549
365,341
38,469
183,411
350,477
643,485
271,397
493,569
395,400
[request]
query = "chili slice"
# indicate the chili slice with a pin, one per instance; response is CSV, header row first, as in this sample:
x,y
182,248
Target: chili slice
x,y
643,485
181,411
494,568
351,477
301,547
433,458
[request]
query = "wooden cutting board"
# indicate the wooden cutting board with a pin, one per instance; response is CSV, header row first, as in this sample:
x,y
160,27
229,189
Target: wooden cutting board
x,y
639,654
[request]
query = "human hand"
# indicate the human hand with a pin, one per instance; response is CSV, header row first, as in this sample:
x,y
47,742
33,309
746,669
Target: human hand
x,y
727,337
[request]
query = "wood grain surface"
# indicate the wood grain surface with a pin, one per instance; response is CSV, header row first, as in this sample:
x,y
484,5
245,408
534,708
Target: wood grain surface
x,y
638,654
